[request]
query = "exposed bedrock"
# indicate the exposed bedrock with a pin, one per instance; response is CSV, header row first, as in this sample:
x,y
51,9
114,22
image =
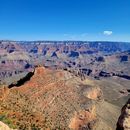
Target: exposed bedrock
x,y
124,119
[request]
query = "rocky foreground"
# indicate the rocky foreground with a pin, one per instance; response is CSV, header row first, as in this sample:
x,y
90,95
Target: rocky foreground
x,y
124,119
56,99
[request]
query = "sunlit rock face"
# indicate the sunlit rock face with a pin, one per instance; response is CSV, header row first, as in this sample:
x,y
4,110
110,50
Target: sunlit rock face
x,y
124,119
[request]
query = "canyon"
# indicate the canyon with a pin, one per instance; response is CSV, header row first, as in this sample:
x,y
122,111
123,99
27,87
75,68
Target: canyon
x,y
64,85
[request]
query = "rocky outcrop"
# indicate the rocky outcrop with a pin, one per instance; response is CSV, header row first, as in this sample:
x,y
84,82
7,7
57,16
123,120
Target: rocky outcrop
x,y
124,119
93,93
52,99
84,120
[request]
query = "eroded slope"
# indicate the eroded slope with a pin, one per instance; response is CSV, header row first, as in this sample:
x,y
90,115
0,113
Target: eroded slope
x,y
54,99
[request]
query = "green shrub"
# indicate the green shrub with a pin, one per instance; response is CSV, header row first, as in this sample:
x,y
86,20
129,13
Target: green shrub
x,y
7,121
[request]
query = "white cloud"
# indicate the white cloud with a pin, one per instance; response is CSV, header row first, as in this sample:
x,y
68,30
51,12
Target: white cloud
x,y
107,33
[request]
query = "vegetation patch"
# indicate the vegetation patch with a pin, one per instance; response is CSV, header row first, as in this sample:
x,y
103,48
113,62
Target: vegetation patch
x,y
6,120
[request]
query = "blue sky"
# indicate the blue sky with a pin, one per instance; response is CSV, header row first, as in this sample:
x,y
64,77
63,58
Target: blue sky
x,y
65,20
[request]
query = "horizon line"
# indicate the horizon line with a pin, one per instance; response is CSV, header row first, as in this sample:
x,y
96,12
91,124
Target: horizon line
x,y
62,40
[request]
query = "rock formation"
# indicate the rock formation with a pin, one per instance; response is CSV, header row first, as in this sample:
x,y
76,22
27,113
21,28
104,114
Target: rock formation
x,y
82,86
124,119
53,99
94,59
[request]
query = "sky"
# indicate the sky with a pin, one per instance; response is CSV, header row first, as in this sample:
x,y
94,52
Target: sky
x,y
88,20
